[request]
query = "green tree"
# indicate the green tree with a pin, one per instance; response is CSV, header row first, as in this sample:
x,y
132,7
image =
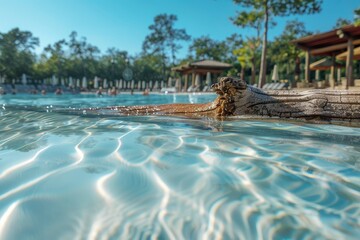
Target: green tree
x,y
206,48
82,55
284,53
233,42
148,67
247,55
266,10
163,39
341,22
16,53
56,58
113,63
357,17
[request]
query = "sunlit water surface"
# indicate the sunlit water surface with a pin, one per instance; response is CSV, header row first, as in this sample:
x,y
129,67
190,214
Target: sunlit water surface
x,y
75,176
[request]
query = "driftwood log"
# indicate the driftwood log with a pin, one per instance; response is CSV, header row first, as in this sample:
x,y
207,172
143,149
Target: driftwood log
x,y
236,98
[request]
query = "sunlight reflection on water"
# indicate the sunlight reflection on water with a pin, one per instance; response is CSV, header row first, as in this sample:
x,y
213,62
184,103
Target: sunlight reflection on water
x,y
69,176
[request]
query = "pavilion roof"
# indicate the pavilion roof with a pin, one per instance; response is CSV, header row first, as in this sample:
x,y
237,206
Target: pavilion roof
x,y
329,43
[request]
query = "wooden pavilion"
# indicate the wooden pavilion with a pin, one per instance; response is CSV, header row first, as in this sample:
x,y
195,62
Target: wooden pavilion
x,y
200,71
331,44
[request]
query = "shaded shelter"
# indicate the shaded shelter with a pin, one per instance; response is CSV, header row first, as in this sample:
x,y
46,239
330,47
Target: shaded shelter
x,y
200,71
331,44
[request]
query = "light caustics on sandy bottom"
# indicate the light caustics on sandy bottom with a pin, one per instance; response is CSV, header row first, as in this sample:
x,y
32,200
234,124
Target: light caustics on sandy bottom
x,y
71,177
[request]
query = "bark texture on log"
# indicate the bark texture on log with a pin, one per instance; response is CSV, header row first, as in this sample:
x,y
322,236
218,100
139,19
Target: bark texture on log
x,y
236,98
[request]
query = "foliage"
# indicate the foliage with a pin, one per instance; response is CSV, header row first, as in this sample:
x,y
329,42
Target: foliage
x,y
206,48
265,10
341,22
283,52
163,39
247,56
357,17
16,53
148,67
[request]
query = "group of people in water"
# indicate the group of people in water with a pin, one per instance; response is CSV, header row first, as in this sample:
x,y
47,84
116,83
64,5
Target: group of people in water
x,y
59,91
113,92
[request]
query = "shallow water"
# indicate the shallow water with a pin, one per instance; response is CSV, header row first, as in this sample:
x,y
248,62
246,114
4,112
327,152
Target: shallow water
x,y
66,176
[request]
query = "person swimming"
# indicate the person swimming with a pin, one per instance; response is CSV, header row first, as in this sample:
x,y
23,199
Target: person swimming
x,y
99,91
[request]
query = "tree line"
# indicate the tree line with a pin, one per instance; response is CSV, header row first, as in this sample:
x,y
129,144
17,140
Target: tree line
x,y
251,56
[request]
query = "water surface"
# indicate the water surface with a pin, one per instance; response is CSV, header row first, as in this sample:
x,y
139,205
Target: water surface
x,y
74,176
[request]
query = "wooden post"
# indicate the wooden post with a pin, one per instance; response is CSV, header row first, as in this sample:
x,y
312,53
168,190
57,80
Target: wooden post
x,y
193,79
186,76
338,79
332,72
349,64
307,66
180,85
317,75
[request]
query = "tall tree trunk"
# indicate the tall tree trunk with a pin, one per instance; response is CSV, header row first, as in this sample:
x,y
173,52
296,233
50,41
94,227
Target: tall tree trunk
x,y
297,70
164,67
262,74
242,73
253,71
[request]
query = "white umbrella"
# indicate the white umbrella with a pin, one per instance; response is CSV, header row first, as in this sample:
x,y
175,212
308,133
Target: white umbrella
x,y
117,83
150,84
105,84
96,82
71,82
132,84
178,84
208,78
275,75
121,84
54,80
139,85
156,85
143,84
162,84
23,79
78,83
62,82
170,82
84,82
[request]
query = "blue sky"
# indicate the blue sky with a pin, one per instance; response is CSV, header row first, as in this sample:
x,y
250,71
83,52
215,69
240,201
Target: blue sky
x,y
123,24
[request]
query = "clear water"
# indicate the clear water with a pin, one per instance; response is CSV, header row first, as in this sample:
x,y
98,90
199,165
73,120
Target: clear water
x,y
73,176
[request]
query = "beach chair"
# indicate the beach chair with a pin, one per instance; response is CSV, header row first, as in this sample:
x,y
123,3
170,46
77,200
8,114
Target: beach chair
x,y
206,89
281,86
275,86
266,86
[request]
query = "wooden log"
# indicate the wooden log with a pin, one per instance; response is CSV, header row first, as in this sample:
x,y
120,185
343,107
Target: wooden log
x,y
236,98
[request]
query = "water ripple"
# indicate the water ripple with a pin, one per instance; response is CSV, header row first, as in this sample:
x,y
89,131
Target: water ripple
x,y
71,177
